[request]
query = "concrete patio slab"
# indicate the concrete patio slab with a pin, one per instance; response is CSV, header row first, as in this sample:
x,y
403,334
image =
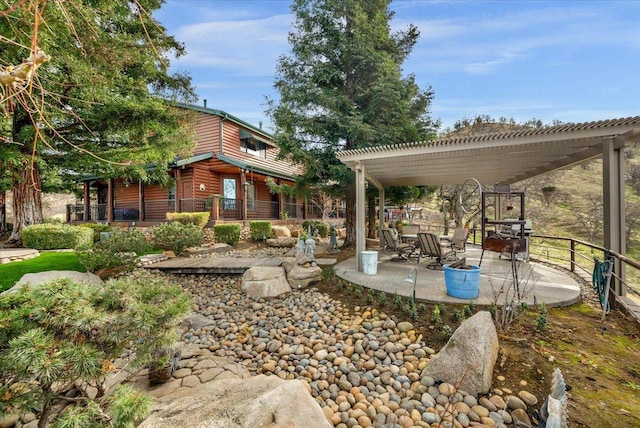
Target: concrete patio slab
x,y
550,285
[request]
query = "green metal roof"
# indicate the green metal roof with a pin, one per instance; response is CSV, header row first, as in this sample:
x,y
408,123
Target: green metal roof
x,y
192,159
246,135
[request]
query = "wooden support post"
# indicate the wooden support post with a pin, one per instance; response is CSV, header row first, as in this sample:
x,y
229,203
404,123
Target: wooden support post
x,y
110,201
176,204
140,200
86,195
215,208
243,192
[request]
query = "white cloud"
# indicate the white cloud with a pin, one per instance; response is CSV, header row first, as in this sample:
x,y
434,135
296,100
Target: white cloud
x,y
248,47
487,44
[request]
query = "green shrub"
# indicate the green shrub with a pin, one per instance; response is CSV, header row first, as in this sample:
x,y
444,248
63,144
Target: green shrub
x,y
542,320
55,236
227,233
97,229
322,228
63,333
121,248
176,236
200,219
260,230
53,220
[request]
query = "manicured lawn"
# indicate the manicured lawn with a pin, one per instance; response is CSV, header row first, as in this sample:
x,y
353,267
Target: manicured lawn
x,y
10,273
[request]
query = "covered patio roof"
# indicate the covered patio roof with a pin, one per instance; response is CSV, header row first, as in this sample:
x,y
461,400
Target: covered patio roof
x,y
501,158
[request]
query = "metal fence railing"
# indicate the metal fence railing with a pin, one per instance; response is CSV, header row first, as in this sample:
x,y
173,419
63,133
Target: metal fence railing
x,y
156,210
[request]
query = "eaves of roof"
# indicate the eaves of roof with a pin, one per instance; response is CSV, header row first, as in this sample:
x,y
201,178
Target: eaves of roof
x,y
192,159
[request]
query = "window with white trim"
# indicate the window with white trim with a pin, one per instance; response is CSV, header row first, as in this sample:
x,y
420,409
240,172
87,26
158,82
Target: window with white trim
x,y
253,147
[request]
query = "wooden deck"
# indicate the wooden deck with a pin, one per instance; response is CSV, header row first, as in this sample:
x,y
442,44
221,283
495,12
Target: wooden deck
x,y
222,265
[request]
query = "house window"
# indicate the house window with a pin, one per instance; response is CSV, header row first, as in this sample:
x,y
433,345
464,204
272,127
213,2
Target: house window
x,y
253,147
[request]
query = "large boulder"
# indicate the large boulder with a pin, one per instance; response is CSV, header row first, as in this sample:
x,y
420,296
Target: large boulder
x,y
281,242
35,279
469,357
280,231
264,282
260,401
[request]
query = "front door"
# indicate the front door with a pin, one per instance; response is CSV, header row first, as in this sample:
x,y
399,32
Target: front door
x,y
230,188
187,189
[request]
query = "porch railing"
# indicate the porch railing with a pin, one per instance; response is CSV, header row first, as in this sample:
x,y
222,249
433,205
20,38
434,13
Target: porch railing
x,y
292,210
126,211
192,205
155,210
262,210
578,257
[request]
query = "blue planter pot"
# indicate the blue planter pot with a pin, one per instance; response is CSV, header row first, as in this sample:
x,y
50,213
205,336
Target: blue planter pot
x,y
462,283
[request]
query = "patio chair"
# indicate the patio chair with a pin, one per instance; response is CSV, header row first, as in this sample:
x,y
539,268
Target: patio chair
x,y
403,251
458,241
429,246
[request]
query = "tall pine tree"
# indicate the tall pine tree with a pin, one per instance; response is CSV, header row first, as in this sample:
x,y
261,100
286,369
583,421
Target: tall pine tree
x,y
82,89
342,88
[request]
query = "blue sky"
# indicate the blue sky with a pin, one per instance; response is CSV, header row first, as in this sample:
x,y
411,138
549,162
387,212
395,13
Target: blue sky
x,y
574,61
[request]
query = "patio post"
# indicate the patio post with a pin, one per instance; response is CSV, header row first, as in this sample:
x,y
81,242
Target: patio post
x,y
381,215
613,194
360,212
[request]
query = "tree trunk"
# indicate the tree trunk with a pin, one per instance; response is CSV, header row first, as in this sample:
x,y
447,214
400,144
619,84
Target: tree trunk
x,y
27,201
350,216
371,217
3,211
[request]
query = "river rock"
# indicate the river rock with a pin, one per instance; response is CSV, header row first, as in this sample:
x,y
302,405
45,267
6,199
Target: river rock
x,y
196,322
528,398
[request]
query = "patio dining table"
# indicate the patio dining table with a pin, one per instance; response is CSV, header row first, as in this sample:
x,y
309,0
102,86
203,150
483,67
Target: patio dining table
x,y
409,237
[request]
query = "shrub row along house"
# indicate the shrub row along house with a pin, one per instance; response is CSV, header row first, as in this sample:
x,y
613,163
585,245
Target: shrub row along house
x,y
226,175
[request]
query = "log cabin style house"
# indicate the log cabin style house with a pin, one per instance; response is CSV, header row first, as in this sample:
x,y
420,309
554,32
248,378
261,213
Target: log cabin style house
x,y
226,175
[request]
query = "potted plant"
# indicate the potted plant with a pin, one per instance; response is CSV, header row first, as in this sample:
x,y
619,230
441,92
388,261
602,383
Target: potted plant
x,y
547,193
462,280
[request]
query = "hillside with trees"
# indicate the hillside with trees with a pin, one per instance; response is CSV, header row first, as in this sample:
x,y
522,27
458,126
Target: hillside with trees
x,y
576,209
